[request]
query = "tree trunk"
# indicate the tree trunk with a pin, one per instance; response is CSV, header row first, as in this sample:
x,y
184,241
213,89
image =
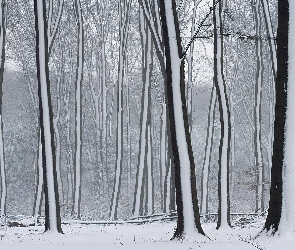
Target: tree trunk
x,y
163,159
145,105
275,202
52,210
124,26
2,160
78,121
224,147
208,152
39,182
287,222
257,110
186,196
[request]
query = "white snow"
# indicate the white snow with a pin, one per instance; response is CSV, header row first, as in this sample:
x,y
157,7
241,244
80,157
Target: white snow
x,y
129,236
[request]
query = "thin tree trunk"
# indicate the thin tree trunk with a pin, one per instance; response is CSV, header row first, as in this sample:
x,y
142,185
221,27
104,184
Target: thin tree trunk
x,y
150,182
163,160
39,182
145,103
224,147
271,37
124,26
78,121
274,64
208,152
2,160
257,110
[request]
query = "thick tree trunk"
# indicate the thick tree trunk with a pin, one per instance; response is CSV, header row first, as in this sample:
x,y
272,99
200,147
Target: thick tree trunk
x,y
287,222
52,210
186,197
275,202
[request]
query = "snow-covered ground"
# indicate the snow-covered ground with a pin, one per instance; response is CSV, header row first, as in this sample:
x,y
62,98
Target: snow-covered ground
x,y
149,236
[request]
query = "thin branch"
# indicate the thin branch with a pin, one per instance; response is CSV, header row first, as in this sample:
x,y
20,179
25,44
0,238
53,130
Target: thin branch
x,y
199,28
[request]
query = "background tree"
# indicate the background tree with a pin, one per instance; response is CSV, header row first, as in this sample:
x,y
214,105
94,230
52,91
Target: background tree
x,y
78,143
224,111
2,60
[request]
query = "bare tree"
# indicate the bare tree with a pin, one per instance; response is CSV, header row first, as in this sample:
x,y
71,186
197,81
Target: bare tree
x,y
145,109
52,209
257,110
186,196
222,97
78,121
124,10
276,188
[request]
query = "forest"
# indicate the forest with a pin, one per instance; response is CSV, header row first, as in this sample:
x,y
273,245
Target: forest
x,y
171,120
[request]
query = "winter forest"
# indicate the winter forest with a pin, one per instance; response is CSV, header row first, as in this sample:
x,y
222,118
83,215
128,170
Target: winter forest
x,y
165,124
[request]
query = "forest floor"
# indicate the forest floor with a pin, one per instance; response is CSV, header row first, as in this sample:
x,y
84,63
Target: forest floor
x,y
149,236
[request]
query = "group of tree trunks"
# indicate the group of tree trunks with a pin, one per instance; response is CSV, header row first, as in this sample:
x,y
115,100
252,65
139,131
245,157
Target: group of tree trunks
x,y
168,45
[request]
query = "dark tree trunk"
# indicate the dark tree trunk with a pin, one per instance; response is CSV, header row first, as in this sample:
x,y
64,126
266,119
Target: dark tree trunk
x,y
275,202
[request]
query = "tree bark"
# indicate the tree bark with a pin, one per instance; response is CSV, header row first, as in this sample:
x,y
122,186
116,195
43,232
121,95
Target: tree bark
x,y
186,197
224,147
275,202
2,159
208,152
52,209
257,111
124,26
78,120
